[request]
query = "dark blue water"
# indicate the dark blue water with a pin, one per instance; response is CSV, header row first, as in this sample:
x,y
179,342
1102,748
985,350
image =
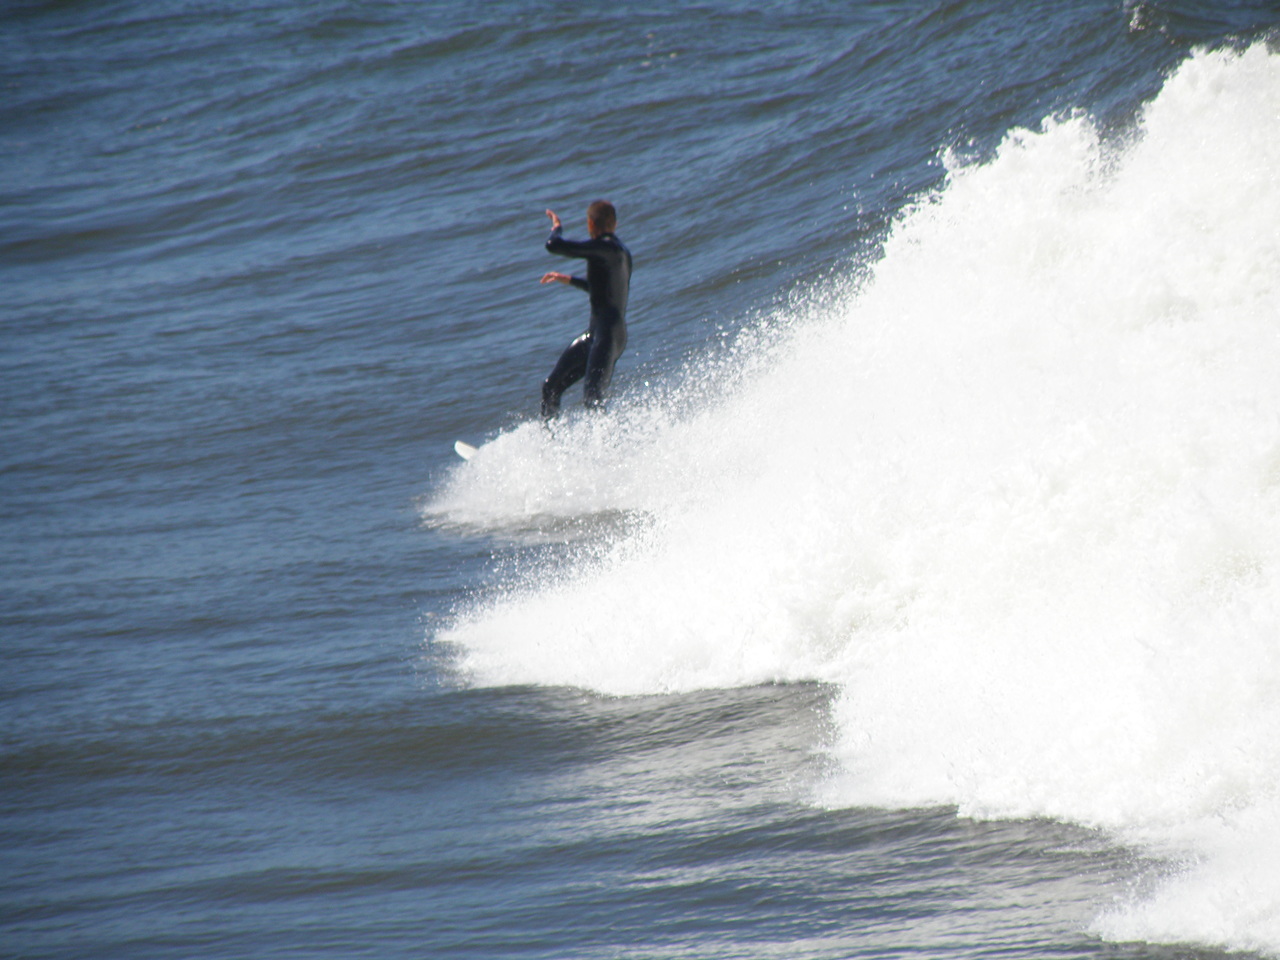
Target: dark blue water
x,y
264,262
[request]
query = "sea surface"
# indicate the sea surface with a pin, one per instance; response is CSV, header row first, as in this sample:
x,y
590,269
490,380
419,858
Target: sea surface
x,y
917,595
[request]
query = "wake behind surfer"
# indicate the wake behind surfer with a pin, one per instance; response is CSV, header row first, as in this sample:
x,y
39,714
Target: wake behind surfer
x,y
592,355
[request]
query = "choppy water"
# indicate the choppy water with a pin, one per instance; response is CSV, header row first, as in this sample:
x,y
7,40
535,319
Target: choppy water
x,y
919,595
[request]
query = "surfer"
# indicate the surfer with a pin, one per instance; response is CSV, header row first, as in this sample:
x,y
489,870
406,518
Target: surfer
x,y
608,281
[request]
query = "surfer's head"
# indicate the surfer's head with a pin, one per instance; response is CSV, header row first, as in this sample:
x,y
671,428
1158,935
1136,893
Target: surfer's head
x,y
601,218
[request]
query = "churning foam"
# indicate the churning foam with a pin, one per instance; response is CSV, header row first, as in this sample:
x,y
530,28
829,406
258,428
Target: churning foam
x,y
1018,496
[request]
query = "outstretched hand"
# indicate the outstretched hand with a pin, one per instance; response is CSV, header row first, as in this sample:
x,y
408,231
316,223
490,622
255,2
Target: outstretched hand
x,y
555,221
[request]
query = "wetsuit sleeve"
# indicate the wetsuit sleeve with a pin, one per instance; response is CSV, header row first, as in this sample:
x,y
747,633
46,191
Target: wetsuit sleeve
x,y
570,248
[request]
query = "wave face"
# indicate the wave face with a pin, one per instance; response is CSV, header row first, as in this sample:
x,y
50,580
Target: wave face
x,y
1016,495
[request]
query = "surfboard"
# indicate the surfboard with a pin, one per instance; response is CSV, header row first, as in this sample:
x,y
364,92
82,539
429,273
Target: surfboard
x,y
465,450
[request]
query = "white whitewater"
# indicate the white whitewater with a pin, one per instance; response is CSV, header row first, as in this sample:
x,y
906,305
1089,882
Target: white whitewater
x,y
1017,496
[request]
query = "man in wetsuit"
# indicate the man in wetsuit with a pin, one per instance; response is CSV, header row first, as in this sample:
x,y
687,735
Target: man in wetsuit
x,y
608,281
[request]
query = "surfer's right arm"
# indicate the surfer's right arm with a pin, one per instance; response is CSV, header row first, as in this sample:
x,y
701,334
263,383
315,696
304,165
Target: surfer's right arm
x,y
557,277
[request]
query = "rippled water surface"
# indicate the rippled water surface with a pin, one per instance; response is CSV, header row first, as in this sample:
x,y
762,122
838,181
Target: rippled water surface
x,y
917,596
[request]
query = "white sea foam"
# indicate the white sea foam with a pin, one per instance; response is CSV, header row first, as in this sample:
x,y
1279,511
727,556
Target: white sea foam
x,y
1018,497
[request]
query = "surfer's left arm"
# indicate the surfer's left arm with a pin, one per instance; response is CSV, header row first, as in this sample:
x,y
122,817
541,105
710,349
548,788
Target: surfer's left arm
x,y
557,244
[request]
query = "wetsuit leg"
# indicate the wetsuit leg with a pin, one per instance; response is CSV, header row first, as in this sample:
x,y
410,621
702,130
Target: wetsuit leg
x,y
567,371
605,351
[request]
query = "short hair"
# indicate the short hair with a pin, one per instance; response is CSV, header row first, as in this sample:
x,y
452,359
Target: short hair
x,y
603,215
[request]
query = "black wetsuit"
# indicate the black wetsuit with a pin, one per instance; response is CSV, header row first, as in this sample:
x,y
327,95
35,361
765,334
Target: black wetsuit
x,y
593,354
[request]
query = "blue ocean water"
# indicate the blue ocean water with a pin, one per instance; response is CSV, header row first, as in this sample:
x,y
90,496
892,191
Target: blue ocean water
x,y
918,595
